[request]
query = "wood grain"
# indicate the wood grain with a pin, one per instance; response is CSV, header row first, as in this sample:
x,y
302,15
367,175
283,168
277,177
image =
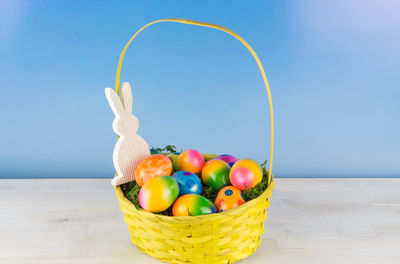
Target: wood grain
x,y
310,221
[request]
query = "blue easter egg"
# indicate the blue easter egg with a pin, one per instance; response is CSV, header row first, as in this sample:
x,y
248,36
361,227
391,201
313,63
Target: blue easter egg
x,y
188,182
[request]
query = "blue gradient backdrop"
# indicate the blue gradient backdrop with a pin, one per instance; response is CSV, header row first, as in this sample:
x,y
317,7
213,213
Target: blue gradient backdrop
x,y
333,67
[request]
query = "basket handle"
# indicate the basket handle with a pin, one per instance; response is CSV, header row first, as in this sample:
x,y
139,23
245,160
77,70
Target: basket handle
x,y
202,24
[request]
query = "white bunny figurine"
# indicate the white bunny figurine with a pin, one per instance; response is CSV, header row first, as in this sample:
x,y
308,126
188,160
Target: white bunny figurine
x,y
130,148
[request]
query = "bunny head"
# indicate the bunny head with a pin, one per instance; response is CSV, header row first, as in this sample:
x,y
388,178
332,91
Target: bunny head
x,y
124,121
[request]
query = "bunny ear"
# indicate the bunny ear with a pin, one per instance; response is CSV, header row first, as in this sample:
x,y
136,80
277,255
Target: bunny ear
x,y
126,96
115,102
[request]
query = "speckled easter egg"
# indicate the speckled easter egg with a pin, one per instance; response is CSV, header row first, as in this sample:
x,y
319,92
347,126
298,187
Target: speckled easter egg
x,y
188,182
190,160
245,174
151,167
158,194
193,204
228,198
215,173
228,159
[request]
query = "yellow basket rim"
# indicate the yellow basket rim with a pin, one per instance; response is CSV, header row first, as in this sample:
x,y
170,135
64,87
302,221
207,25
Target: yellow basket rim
x,y
235,211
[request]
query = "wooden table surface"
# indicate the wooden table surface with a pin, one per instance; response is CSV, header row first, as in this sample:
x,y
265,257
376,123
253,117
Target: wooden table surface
x,y
310,221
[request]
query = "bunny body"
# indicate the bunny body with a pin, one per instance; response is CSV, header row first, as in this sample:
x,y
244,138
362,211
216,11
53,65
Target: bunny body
x,y
130,148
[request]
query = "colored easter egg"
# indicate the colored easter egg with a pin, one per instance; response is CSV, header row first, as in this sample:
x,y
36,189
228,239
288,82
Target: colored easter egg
x,y
228,159
245,174
193,204
158,194
151,167
215,173
190,160
188,182
174,159
228,198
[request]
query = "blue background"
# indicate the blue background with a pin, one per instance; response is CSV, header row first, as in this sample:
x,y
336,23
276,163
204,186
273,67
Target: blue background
x,y
333,68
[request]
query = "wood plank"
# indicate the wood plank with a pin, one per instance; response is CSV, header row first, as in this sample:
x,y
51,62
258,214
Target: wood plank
x,y
310,221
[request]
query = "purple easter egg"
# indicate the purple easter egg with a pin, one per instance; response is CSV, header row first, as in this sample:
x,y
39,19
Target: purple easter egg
x,y
228,159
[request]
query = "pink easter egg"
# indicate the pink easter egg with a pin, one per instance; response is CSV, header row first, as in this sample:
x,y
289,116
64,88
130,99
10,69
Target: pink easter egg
x,y
228,159
190,160
245,174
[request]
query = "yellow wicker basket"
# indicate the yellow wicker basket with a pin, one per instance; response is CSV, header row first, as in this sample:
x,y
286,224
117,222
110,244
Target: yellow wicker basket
x,y
224,237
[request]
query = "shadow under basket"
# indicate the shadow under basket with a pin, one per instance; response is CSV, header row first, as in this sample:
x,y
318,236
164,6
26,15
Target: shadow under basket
x,y
223,237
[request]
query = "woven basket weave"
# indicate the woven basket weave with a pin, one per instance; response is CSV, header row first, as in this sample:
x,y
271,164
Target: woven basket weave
x,y
223,237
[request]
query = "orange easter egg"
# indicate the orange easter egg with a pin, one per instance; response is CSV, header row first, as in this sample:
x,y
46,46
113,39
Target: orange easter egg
x,y
151,167
158,194
228,198
190,160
